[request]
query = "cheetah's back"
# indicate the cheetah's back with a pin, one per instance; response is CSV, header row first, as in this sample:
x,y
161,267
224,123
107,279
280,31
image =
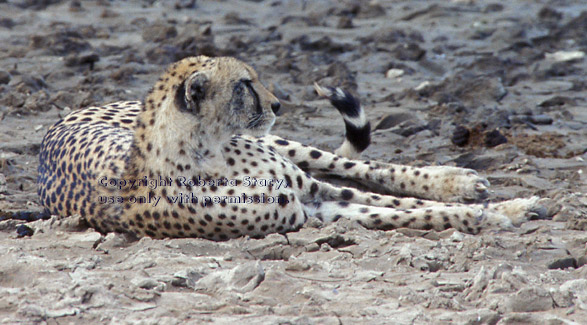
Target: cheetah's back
x,y
81,149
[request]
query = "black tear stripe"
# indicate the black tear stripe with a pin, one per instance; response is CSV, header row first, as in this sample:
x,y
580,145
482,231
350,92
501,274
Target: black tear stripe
x,y
255,96
359,137
236,101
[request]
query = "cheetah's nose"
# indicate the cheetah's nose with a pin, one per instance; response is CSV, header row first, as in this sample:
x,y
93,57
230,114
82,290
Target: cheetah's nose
x,y
275,107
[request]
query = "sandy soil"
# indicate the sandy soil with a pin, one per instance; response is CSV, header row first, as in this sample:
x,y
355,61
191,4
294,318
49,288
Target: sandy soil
x,y
495,86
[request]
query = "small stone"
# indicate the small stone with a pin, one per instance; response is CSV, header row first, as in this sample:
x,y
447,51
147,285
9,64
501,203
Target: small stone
x,y
565,56
422,86
394,73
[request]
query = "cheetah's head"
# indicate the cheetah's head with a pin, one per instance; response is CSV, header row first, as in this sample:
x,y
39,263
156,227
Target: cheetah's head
x,y
223,94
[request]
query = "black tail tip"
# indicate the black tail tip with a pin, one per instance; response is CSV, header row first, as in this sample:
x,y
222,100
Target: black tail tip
x,y
341,99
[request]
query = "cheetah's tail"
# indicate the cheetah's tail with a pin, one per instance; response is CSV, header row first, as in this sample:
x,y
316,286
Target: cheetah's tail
x,y
358,128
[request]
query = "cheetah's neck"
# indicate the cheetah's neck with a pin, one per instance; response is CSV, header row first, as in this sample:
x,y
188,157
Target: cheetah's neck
x,y
167,145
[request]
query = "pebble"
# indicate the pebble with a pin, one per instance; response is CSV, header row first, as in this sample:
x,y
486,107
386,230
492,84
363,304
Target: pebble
x,y
565,56
394,73
422,86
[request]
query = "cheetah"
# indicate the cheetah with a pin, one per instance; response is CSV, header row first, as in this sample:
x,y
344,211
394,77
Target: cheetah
x,y
196,160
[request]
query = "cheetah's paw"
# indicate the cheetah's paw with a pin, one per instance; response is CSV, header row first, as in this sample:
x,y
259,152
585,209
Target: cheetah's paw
x,y
459,185
519,211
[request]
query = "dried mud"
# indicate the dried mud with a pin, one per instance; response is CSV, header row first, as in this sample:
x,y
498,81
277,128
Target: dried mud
x,y
494,86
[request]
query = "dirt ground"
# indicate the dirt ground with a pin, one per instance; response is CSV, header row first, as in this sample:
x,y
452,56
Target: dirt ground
x,y
498,86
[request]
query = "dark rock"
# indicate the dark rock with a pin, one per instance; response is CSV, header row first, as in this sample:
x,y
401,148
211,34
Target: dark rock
x,y
407,130
4,77
408,52
387,36
460,136
391,120
558,101
494,138
76,60
7,22
36,4
188,43
62,42
324,44
550,14
233,18
24,230
75,6
474,161
563,263
559,69
493,7
185,4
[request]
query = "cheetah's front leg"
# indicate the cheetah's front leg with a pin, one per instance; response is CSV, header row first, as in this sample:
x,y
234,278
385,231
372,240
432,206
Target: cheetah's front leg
x,y
439,183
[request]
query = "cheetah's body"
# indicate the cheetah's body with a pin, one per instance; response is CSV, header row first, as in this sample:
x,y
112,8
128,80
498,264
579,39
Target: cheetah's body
x,y
184,133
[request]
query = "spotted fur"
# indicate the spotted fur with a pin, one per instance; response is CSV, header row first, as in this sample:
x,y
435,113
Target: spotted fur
x,y
206,120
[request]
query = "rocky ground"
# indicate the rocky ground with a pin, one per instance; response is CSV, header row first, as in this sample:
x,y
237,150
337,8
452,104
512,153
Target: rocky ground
x,y
497,86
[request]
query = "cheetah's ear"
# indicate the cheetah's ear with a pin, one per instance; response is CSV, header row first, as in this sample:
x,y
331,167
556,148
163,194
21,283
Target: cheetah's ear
x,y
198,83
191,92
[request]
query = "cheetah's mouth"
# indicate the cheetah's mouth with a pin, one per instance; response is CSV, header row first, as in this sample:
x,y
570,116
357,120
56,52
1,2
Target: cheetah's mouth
x,y
260,124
